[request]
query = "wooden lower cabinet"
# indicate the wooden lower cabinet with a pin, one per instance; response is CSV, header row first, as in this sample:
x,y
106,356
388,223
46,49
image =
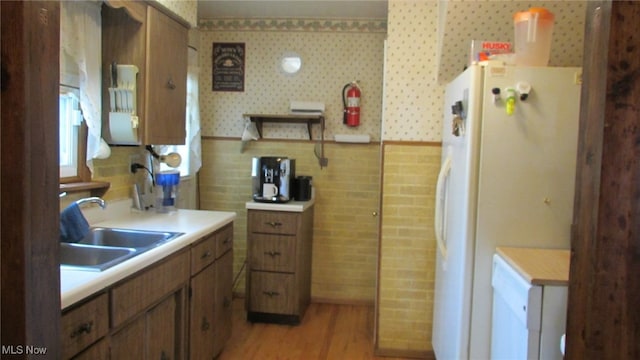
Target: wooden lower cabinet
x,y
162,340
126,344
158,331
279,265
222,304
84,324
154,335
211,293
202,318
99,350
178,308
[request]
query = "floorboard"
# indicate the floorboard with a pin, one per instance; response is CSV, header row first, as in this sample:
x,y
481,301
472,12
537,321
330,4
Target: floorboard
x,y
327,332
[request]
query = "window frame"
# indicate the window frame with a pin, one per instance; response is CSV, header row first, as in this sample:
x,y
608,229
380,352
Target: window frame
x,y
83,174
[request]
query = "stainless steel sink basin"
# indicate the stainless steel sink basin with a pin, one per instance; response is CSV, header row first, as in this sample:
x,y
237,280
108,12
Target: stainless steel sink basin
x,y
138,239
92,258
103,248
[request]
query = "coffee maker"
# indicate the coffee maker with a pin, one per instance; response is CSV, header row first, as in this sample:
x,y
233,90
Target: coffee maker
x,y
272,178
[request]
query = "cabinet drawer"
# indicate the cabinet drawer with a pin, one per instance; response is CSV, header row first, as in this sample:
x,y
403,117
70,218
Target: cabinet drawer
x,y
272,252
272,293
224,240
138,293
273,222
97,351
203,254
84,325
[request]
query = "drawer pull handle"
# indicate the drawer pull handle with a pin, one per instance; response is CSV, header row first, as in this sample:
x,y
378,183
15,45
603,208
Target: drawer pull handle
x,y
164,356
272,253
226,241
274,224
271,293
206,254
226,303
170,84
82,329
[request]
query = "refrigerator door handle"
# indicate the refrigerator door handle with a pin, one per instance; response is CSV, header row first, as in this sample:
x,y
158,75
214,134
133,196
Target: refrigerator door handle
x,y
441,203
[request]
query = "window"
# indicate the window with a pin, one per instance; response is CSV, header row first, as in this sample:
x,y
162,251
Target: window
x,y
80,66
70,123
183,150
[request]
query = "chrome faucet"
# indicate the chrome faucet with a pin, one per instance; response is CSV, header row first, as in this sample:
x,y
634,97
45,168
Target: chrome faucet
x,y
93,200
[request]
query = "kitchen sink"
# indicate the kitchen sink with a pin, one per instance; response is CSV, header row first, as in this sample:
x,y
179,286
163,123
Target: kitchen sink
x,y
137,239
92,258
103,248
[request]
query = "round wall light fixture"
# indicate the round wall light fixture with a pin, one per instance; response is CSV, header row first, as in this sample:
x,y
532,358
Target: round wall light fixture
x,y
291,63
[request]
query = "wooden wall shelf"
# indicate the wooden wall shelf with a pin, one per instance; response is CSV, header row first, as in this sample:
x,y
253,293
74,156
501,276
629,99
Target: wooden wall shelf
x,y
259,119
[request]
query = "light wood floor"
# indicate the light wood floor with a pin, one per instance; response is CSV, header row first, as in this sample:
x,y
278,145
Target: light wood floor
x,y
328,331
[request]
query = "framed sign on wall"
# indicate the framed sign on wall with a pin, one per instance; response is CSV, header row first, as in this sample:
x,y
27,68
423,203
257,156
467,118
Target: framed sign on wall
x,y
228,66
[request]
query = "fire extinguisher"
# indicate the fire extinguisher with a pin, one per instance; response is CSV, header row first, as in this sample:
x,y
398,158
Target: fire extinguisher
x,y
351,101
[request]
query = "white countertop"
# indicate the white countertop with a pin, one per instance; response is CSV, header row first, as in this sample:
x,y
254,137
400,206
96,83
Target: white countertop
x,y
76,285
291,206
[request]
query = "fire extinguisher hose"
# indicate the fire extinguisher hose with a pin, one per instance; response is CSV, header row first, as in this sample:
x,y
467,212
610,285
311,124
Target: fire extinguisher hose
x,y
344,103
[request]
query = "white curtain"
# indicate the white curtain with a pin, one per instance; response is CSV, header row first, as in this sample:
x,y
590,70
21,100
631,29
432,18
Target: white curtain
x,y
193,114
80,43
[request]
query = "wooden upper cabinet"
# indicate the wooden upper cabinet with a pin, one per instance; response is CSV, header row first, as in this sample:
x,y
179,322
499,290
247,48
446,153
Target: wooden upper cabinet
x,y
139,34
166,82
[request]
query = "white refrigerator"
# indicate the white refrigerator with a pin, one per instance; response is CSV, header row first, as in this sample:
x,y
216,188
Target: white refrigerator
x,y
507,179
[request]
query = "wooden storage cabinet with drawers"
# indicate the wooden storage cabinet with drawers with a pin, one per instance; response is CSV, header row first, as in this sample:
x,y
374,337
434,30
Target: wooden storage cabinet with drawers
x,y
279,265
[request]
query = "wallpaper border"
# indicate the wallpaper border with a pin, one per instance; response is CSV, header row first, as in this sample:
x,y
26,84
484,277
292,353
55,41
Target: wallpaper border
x,y
306,25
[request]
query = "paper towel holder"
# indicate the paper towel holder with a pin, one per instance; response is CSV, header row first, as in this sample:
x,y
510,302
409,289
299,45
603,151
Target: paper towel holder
x,y
123,119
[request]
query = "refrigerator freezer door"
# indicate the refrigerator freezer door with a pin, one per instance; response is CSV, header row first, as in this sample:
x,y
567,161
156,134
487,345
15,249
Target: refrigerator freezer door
x,y
454,258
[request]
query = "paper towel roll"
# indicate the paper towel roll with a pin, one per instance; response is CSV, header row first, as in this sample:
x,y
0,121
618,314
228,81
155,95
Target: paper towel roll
x,y
121,129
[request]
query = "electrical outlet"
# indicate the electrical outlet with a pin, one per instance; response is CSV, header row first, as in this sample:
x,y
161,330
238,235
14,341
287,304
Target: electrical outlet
x,y
136,159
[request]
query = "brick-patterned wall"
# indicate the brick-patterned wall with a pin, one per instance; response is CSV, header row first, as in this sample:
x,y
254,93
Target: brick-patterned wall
x,y
407,247
117,171
347,194
114,170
